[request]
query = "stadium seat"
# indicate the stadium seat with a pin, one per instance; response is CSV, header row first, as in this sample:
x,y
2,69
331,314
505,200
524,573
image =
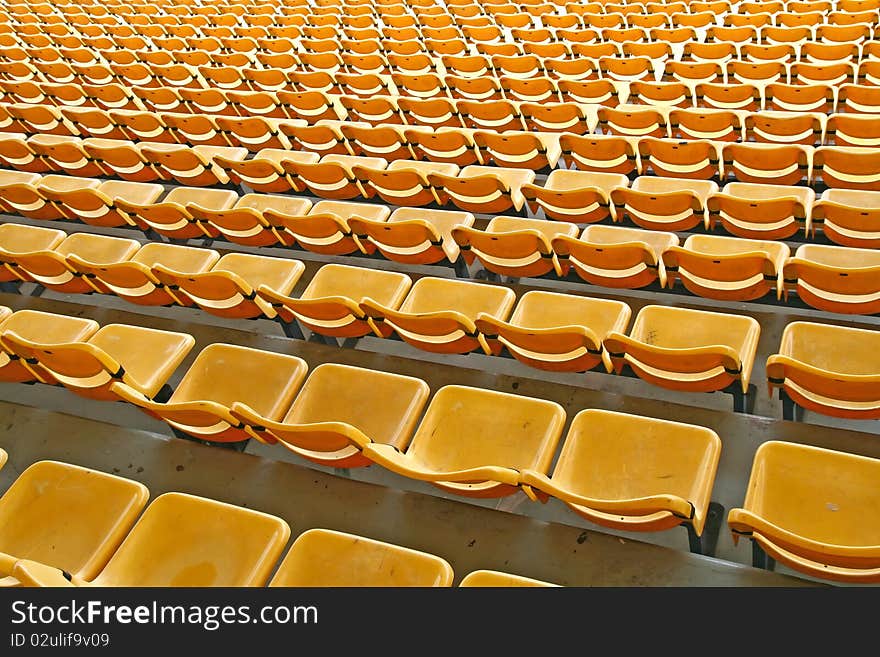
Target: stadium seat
x,y
727,268
438,314
413,235
785,128
228,289
18,238
666,204
409,183
636,473
182,540
513,246
848,217
852,130
53,270
601,153
522,437
555,332
142,358
848,167
444,144
757,211
615,256
697,159
67,517
776,164
245,224
338,410
800,98
330,303
37,325
169,216
836,279
96,206
221,375
490,190
498,579
689,350
327,558
575,196
731,96
134,279
809,508
521,150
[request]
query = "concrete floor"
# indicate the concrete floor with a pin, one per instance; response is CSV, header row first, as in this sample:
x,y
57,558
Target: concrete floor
x,y
741,434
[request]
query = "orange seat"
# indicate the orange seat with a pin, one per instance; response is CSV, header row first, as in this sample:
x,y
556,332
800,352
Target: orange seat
x,y
849,217
601,153
777,164
325,229
614,256
785,128
836,279
727,268
800,98
762,212
660,203
742,96
482,189
848,167
632,121
515,247
698,159
575,196
438,314
445,144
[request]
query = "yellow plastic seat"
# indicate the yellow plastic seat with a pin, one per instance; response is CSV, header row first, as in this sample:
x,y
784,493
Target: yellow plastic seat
x,y
727,268
615,256
37,325
96,206
21,193
333,177
66,155
265,171
123,158
53,270
330,304
16,154
323,138
498,579
636,473
66,517
689,350
811,509
836,279
777,164
574,196
413,235
525,150
182,540
438,314
228,289
600,153
445,144
245,223
696,159
339,410
170,217
385,141
325,229
194,129
848,167
848,217
16,239
805,128
135,281
192,165
555,332
800,98
482,189
512,246
140,126
221,375
732,96
142,358
405,182
757,211
328,558
475,443
661,203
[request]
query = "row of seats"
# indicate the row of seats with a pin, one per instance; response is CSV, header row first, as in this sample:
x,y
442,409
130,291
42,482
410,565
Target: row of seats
x,y
58,62
179,539
344,417
675,348
518,25
805,507
830,278
518,77
574,197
